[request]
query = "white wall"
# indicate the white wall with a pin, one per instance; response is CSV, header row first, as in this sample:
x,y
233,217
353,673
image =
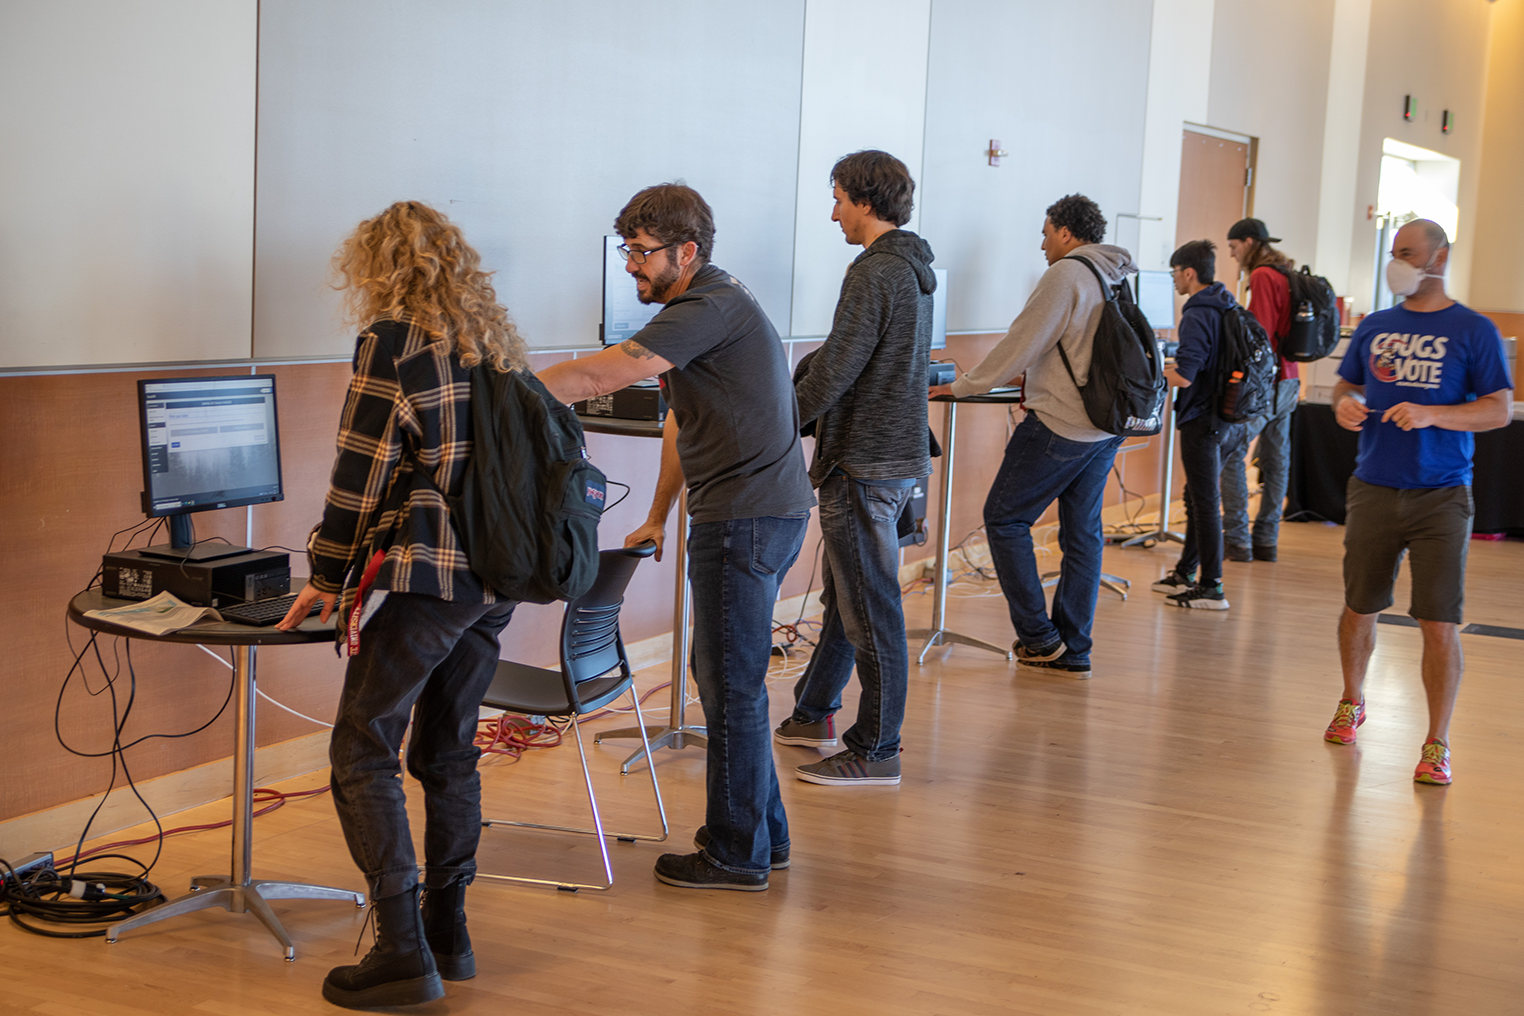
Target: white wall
x,y
530,124
1269,79
1064,88
1179,81
864,87
1339,213
1435,50
126,181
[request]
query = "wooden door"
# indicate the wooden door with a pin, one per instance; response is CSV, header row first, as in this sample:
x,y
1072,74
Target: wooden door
x,y
1215,174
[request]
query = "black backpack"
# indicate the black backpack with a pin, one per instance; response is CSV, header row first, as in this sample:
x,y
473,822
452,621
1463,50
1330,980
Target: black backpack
x,y
1125,391
1246,367
527,514
1314,317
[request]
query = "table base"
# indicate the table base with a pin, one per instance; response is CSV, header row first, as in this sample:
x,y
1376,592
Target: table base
x,y
943,637
658,737
209,891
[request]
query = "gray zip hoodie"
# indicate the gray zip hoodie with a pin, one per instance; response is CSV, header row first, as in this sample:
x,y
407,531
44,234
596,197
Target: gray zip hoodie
x,y
1066,307
866,387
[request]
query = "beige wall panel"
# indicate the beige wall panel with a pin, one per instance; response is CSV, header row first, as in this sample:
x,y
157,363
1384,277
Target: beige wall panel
x,y
126,181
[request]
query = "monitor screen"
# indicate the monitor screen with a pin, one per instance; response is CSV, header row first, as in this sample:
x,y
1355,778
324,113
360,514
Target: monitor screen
x,y
939,310
209,442
623,313
1156,298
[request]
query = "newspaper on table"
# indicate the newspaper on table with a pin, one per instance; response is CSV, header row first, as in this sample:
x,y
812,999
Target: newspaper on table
x,y
159,616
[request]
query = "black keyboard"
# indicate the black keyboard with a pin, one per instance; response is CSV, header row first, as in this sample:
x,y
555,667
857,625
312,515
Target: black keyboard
x,y
263,613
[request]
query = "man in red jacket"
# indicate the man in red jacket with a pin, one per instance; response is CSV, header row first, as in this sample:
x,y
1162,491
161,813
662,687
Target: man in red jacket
x,y
1269,301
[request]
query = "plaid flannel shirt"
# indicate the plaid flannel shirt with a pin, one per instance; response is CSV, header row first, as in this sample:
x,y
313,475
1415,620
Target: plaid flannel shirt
x,y
408,391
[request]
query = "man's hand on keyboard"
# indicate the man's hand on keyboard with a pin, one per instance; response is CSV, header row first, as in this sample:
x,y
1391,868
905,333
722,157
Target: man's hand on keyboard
x,y
304,600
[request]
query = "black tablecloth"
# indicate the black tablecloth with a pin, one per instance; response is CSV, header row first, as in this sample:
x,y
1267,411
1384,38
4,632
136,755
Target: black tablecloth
x,y
1323,457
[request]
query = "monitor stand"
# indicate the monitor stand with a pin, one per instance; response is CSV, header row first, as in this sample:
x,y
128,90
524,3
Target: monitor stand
x,y
181,546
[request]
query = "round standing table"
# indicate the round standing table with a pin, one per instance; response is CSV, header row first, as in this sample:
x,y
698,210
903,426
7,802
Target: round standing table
x,y
238,892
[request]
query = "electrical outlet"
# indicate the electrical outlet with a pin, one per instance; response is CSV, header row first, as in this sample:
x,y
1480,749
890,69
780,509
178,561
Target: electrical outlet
x,y
29,865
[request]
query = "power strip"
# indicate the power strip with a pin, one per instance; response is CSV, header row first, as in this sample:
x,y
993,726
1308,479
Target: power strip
x,y
29,865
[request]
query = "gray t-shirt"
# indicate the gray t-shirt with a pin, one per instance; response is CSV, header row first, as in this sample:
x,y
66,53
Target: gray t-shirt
x,y
738,425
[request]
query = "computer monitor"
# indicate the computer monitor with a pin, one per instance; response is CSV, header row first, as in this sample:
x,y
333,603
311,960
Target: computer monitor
x,y
623,313
939,310
1156,298
208,443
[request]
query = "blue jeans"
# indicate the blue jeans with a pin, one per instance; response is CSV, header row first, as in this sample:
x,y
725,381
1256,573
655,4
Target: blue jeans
x,y
735,568
1201,442
864,618
1274,455
433,659
1039,467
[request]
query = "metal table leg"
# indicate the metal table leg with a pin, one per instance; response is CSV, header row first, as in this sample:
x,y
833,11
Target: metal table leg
x,y
676,734
239,892
1163,534
938,634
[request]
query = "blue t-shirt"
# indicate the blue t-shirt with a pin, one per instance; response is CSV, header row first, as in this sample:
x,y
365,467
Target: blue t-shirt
x,y
1432,358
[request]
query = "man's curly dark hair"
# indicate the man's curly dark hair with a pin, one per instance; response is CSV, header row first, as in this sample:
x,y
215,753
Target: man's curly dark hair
x,y
1081,215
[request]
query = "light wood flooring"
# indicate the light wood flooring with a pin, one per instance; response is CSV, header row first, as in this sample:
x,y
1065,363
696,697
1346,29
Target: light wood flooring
x,y
1171,837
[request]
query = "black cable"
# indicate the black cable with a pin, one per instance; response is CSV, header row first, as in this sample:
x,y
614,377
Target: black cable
x,y
89,897
626,493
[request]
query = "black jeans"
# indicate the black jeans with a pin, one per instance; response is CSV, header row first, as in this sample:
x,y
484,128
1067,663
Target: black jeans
x,y
434,659
1202,440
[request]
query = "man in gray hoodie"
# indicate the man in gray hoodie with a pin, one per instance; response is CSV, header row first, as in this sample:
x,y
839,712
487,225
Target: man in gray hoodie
x,y
1056,453
864,392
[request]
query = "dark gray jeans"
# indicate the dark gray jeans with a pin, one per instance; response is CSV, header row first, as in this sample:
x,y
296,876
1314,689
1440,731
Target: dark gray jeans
x,y
433,659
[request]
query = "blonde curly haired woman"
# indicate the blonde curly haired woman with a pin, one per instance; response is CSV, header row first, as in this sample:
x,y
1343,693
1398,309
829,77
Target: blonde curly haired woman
x,y
420,627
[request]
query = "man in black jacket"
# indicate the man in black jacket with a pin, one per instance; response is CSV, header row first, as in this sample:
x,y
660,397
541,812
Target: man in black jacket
x,y
865,391
1203,434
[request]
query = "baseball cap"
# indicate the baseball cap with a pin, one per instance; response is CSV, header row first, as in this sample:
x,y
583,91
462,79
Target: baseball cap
x,y
1251,229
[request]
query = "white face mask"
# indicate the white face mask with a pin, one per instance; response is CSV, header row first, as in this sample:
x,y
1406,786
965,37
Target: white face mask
x,y
1403,279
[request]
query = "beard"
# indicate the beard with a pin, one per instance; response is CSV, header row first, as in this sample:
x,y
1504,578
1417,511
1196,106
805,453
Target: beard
x,y
660,285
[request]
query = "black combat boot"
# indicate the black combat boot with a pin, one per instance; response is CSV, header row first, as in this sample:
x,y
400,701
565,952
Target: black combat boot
x,y
399,969
444,926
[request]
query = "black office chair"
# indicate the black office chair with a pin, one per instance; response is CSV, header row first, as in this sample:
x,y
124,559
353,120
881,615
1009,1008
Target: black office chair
x,y
594,671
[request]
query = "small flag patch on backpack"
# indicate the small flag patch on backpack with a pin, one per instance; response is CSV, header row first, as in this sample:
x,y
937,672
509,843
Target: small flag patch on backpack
x,y
596,494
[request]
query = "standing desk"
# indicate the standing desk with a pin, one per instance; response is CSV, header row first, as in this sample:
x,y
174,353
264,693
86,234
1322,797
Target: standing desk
x,y
238,892
676,734
938,634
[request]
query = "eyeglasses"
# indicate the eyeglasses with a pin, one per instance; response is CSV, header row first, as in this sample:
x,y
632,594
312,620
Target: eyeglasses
x,y
639,256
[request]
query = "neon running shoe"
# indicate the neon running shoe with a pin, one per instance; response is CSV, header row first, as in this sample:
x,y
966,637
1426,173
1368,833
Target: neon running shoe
x,y
1348,717
1434,766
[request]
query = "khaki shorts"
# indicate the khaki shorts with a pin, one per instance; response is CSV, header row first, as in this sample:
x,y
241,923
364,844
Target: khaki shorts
x,y
1433,525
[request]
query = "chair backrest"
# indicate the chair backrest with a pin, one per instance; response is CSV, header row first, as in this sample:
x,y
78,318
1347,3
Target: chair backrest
x,y
590,642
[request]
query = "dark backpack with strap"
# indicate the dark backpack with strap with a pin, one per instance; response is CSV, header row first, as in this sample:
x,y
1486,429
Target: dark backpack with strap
x,y
1125,391
1246,367
1314,317
528,509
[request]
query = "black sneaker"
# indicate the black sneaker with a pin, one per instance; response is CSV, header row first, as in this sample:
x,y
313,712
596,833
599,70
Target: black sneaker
x,y
1174,582
1039,654
777,862
1237,552
1068,668
1264,552
807,735
695,871
1201,598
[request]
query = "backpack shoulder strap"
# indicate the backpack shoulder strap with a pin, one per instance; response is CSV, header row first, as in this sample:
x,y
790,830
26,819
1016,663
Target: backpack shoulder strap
x,y
1106,290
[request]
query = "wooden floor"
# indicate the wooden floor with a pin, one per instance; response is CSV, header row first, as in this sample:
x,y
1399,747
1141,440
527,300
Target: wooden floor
x,y
1171,837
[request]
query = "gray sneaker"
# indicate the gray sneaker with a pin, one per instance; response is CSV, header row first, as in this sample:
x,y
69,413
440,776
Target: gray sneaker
x,y
807,735
848,768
